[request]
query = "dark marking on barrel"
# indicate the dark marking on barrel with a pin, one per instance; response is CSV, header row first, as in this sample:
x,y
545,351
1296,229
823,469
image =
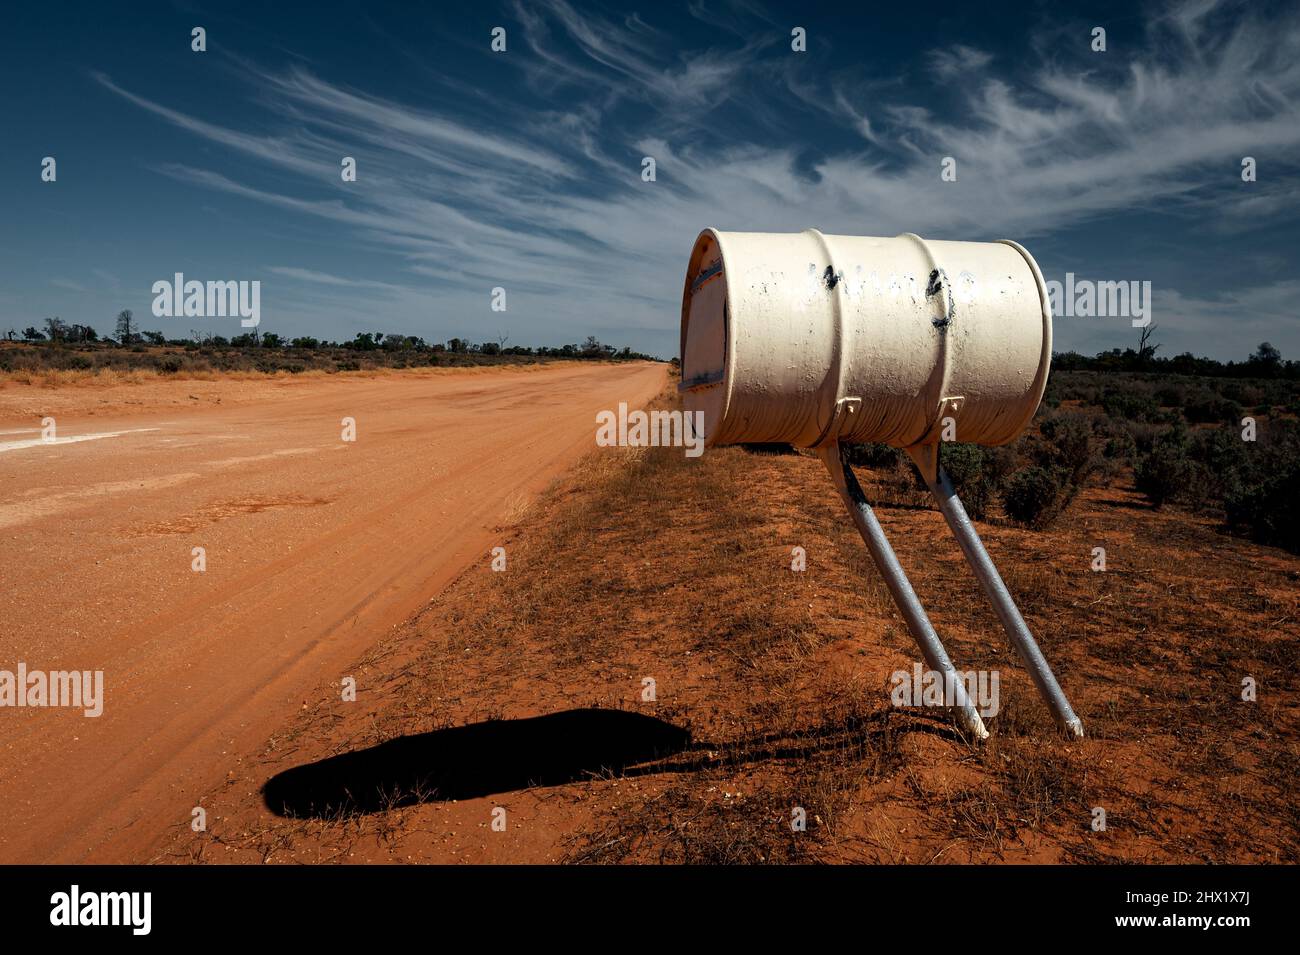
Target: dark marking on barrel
x,y
937,280
831,277
932,289
710,272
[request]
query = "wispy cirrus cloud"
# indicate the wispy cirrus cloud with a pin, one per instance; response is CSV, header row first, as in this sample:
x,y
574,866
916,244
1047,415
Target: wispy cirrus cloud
x,y
550,202
958,60
314,277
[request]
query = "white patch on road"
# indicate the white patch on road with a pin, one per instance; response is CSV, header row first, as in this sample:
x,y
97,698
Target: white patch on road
x,y
249,459
71,439
38,502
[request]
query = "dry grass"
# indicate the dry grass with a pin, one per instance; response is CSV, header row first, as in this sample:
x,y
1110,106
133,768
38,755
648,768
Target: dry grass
x,y
109,377
117,377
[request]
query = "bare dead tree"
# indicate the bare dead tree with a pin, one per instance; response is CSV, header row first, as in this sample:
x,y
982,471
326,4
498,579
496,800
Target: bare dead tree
x,y
1147,352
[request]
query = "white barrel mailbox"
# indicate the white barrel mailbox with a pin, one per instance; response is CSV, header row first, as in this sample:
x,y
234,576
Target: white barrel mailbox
x,y
808,338
824,340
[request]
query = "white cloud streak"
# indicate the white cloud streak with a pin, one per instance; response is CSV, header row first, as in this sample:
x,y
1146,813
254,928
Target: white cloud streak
x,y
552,204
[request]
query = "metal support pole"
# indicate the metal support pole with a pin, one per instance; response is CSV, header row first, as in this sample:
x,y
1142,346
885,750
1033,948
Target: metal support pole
x,y
900,588
991,581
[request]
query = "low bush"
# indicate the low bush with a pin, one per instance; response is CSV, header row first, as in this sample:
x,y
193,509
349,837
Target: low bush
x,y
872,455
979,475
1261,500
1210,408
1063,456
1067,444
1033,496
1221,460
1118,443
1130,405
1167,472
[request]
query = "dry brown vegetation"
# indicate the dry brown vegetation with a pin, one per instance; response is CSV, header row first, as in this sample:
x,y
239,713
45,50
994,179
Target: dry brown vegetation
x,y
60,363
27,397
108,376
647,564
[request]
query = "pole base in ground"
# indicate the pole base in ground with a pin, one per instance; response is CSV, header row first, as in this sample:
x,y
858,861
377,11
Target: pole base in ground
x,y
900,588
926,458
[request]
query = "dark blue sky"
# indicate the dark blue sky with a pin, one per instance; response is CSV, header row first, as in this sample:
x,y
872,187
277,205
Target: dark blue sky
x,y
522,169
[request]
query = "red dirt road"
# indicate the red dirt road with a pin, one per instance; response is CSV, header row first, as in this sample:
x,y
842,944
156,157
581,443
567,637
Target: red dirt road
x,y
315,547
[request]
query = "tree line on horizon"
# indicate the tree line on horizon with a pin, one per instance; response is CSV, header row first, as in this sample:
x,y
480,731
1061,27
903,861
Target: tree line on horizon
x,y
1265,362
127,334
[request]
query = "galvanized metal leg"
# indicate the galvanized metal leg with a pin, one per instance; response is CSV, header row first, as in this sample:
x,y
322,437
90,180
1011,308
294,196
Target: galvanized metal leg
x,y
991,581
900,588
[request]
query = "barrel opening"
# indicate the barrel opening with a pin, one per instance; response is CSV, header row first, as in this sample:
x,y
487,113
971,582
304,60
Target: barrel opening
x,y
706,318
706,335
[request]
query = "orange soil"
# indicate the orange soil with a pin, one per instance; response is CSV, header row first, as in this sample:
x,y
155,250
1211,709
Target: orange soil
x,y
315,548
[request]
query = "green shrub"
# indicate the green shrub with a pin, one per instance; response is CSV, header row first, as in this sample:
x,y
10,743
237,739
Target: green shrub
x,y
1120,444
1144,436
977,474
1033,496
1171,395
1131,405
1261,500
1071,387
1167,472
1221,460
1212,409
1065,450
1067,445
872,455
1267,510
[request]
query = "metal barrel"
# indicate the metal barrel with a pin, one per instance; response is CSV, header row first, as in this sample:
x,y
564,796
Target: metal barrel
x,y
809,339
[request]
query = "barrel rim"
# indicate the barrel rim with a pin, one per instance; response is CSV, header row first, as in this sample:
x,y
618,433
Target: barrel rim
x,y
729,331
1045,355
